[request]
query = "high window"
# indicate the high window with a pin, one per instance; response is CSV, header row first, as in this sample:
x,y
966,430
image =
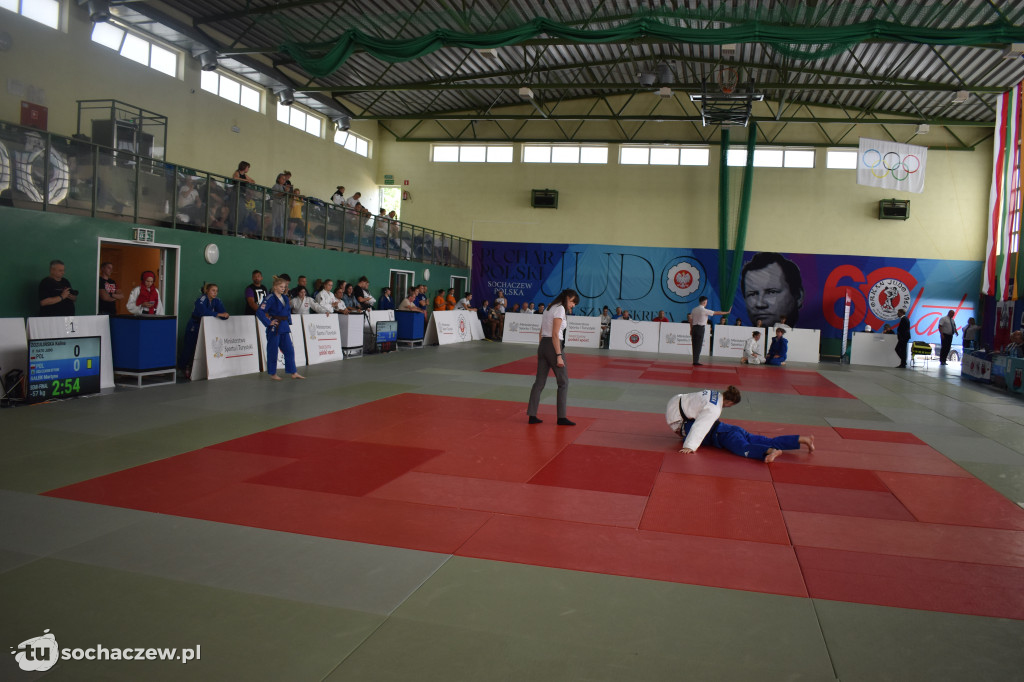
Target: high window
x,y
135,48
352,142
46,12
564,153
471,153
231,89
663,155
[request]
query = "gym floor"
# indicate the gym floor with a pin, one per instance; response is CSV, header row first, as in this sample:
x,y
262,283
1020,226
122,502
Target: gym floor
x,y
395,518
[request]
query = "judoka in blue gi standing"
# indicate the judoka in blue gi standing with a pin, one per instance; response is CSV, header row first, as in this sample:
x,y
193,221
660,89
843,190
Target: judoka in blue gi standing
x,y
276,314
695,417
207,305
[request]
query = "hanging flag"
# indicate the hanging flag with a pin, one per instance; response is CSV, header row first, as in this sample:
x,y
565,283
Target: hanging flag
x,y
891,165
1003,199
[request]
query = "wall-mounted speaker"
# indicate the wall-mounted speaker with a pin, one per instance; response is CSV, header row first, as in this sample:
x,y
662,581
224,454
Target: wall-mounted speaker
x,y
893,209
544,198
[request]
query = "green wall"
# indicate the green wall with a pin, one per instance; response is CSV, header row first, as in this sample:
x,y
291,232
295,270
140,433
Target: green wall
x,y
31,239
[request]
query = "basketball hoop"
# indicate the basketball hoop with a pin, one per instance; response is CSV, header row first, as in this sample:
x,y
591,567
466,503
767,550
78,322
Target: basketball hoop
x,y
726,78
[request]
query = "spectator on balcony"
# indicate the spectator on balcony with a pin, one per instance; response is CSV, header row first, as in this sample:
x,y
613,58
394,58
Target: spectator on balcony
x,y
353,201
190,205
296,221
145,298
255,293
279,200
386,301
56,297
338,198
287,177
242,173
109,293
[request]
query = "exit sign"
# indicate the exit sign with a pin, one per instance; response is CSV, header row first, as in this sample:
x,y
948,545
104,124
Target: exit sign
x,y
142,234
389,179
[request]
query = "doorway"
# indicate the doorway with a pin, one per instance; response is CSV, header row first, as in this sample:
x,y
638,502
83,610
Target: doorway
x,y
400,281
459,284
131,259
390,199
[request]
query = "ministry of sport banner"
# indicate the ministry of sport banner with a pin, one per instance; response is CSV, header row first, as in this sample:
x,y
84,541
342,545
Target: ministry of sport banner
x,y
808,289
891,165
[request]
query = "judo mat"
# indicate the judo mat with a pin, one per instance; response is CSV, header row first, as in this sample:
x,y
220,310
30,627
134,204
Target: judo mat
x,y
872,517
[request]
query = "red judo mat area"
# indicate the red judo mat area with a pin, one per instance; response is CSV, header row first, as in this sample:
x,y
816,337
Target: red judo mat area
x,y
638,370
874,517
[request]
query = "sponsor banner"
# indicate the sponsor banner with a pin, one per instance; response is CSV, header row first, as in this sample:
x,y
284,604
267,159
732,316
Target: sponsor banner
x,y
676,338
582,332
634,335
227,348
804,344
976,367
350,329
323,338
809,290
878,350
450,326
297,341
891,165
70,327
730,339
522,328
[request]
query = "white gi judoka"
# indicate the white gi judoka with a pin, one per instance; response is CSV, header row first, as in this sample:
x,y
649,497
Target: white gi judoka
x,y
704,408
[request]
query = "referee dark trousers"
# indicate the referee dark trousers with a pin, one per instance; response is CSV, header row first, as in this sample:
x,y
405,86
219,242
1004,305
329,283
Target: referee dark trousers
x,y
697,339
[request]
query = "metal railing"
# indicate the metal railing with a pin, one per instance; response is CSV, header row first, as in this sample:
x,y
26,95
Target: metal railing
x,y
48,172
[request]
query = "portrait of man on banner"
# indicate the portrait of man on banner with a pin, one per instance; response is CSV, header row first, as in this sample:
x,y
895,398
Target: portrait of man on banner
x,y
772,288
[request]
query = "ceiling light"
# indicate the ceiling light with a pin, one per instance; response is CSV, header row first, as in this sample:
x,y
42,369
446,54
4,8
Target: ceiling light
x,y
525,93
647,79
99,10
286,97
961,96
729,50
923,128
1013,50
665,92
489,53
207,60
343,122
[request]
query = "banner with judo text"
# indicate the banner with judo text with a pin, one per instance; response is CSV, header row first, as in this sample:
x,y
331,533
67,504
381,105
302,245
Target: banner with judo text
x,y
891,165
227,348
323,338
297,342
809,290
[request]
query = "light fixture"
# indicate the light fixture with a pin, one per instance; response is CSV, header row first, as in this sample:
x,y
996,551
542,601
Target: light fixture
x,y
286,97
207,60
665,92
647,79
1013,51
525,93
923,128
489,53
961,96
343,122
99,10
729,50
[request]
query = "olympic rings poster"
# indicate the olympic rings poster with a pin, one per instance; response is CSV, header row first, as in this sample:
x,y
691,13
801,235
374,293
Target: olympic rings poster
x,y
891,165
808,289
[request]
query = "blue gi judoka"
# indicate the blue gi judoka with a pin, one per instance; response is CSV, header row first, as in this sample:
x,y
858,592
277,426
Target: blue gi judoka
x,y
777,351
205,306
743,443
276,314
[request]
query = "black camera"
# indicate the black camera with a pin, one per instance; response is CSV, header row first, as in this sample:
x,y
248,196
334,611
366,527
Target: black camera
x,y
74,292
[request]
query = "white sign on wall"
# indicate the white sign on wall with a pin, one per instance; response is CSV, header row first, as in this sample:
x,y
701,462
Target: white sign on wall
x,y
297,342
582,332
521,328
227,348
323,338
675,338
634,335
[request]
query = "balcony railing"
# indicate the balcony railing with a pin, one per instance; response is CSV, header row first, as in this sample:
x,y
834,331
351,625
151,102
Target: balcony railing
x,y
48,172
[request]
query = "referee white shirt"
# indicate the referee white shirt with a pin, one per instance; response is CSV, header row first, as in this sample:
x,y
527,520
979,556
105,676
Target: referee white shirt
x,y
547,321
700,315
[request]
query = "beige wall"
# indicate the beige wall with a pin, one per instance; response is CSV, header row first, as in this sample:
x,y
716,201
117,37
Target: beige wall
x,y
792,210
67,67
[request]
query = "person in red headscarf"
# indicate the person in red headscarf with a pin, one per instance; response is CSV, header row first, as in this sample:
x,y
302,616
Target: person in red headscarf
x,y
145,299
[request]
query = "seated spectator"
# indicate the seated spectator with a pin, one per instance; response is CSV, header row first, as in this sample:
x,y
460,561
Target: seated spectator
x,y
409,302
255,293
782,323
606,326
220,218
618,314
779,348
626,315
362,293
466,303
738,322
353,201
325,297
190,206
349,297
752,350
1015,348
887,329
341,306
661,317
145,299
386,302
440,302
338,198
56,297
484,313
759,324
450,299
541,308
515,308
301,304
302,283
530,309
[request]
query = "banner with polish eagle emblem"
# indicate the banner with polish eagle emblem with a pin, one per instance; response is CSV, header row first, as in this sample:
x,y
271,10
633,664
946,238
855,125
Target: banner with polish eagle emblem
x,y
891,165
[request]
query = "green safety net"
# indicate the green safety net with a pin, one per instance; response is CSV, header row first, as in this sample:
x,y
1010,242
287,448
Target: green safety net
x,y
798,42
729,278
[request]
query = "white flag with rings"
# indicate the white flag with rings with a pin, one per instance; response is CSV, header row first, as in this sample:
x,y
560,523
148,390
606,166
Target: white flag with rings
x,y
891,165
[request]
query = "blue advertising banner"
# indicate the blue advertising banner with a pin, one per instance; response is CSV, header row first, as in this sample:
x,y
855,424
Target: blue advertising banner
x,y
809,290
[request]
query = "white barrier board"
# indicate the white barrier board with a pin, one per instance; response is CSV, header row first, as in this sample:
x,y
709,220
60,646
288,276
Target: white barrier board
x,y
878,350
521,328
323,338
227,348
297,341
582,332
13,345
371,318
676,338
805,344
634,335
350,329
476,327
729,341
78,325
449,326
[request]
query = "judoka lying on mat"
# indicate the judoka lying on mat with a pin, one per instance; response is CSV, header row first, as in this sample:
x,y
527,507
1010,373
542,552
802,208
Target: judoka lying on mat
x,y
695,417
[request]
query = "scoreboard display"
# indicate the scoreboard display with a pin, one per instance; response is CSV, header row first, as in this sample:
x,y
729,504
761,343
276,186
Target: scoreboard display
x,y
63,368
